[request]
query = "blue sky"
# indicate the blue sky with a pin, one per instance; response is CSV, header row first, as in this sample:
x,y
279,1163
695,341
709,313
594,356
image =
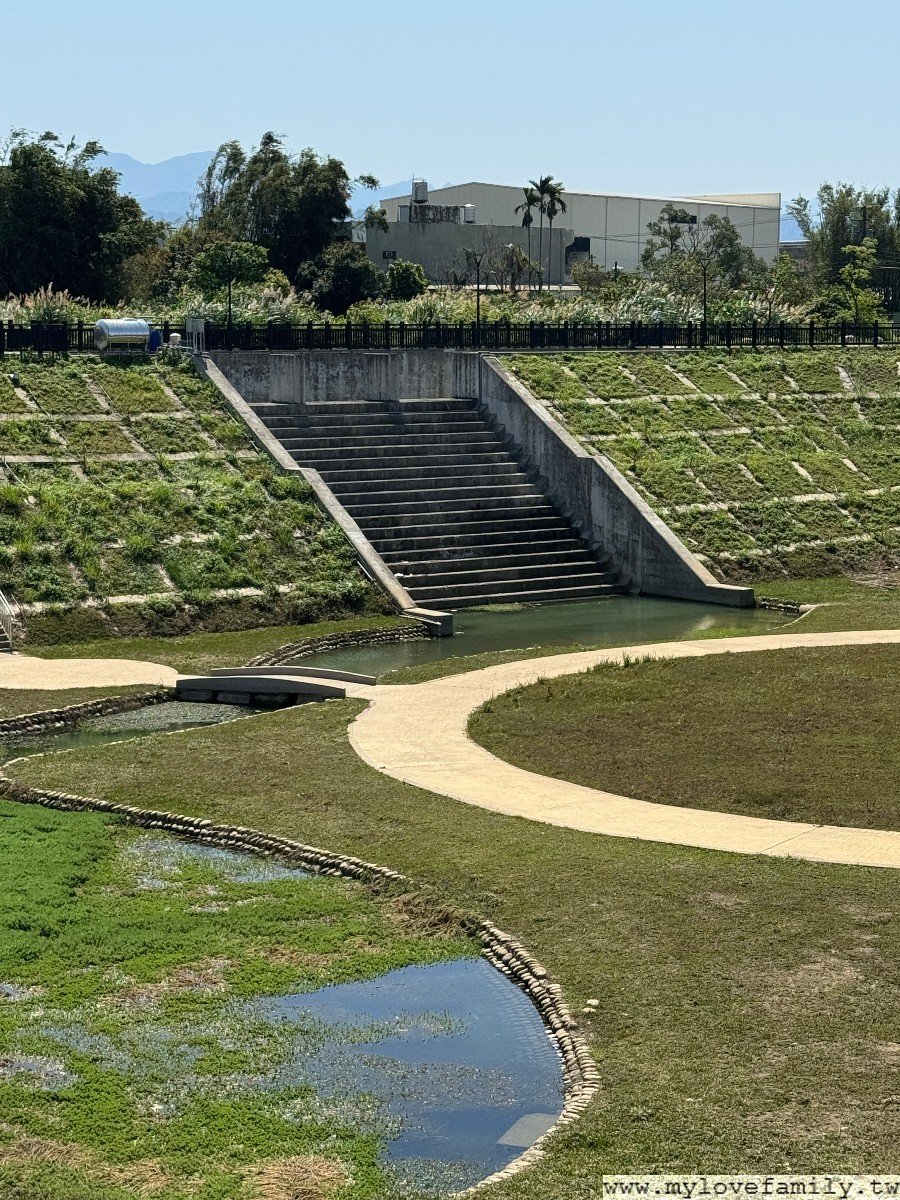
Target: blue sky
x,y
647,96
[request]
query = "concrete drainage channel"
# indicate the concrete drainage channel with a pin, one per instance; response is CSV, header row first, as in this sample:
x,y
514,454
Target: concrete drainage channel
x,y
271,687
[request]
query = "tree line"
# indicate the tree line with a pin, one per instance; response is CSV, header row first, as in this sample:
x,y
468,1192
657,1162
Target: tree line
x,y
271,220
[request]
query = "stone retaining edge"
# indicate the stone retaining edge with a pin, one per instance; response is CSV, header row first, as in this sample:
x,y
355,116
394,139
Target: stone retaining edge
x,y
413,632
73,714
502,950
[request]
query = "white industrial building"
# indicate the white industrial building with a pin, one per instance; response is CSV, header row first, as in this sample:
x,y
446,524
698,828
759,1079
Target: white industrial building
x,y
609,229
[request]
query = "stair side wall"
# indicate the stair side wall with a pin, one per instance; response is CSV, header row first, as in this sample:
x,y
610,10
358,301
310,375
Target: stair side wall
x,y
599,500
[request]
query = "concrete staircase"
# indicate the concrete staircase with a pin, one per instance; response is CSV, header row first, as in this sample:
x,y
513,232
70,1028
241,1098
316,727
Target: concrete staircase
x,y
435,490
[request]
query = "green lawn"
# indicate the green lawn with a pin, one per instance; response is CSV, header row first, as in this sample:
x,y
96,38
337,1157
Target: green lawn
x,y
843,603
133,957
748,1006
198,652
800,735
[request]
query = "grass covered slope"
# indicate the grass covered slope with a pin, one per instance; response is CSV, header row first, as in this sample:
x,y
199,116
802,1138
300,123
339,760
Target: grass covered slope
x,y
762,462
125,479
797,735
748,1006
131,1062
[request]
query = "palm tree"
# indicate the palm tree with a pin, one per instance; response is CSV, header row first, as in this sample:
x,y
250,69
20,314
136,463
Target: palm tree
x,y
526,208
554,205
541,186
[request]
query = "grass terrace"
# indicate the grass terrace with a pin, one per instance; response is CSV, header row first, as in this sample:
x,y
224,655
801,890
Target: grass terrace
x,y
133,480
764,463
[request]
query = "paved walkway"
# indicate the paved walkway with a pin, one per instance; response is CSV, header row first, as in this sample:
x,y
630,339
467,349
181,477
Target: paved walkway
x,y
417,734
25,671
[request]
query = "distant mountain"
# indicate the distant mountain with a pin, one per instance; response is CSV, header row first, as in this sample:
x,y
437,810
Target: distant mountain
x,y
165,189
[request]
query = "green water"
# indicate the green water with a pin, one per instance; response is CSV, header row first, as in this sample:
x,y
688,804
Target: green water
x,y
99,731
585,623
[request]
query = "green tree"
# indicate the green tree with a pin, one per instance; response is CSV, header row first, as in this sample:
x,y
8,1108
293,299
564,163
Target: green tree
x,y
64,222
404,280
667,235
295,206
697,257
342,276
783,285
857,274
841,216
554,206
542,187
225,264
530,202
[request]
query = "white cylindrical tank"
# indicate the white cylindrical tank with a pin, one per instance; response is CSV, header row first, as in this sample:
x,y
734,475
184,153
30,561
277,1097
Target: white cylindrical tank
x,y
122,332
420,191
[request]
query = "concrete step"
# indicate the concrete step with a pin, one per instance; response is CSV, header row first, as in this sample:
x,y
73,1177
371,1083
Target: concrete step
x,y
339,408
439,528
388,459
380,431
538,593
474,545
481,439
387,491
429,508
491,576
419,475
392,418
438,493
495,558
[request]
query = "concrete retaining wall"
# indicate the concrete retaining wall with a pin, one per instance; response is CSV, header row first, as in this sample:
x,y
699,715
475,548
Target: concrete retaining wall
x,y
314,376
591,493
598,499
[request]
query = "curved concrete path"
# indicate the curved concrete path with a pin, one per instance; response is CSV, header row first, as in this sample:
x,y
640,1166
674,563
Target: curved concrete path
x,y
26,671
417,734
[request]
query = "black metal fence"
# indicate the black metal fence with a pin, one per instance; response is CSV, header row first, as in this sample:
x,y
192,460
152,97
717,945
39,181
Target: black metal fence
x,y
59,337
487,335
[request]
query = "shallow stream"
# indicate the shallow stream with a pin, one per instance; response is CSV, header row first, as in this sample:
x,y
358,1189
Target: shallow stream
x,y
622,620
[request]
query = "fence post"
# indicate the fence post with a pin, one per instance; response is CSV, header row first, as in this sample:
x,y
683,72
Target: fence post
x,y
2,339
875,334
843,333
781,334
728,335
348,334
812,334
754,334
401,332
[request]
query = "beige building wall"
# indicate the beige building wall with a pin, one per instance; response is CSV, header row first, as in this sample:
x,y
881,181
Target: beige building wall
x,y
617,225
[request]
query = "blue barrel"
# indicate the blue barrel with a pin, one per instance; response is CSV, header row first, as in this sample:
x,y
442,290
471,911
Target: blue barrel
x,y
155,339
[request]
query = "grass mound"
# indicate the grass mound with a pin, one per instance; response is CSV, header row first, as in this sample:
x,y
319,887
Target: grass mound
x,y
761,462
800,735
